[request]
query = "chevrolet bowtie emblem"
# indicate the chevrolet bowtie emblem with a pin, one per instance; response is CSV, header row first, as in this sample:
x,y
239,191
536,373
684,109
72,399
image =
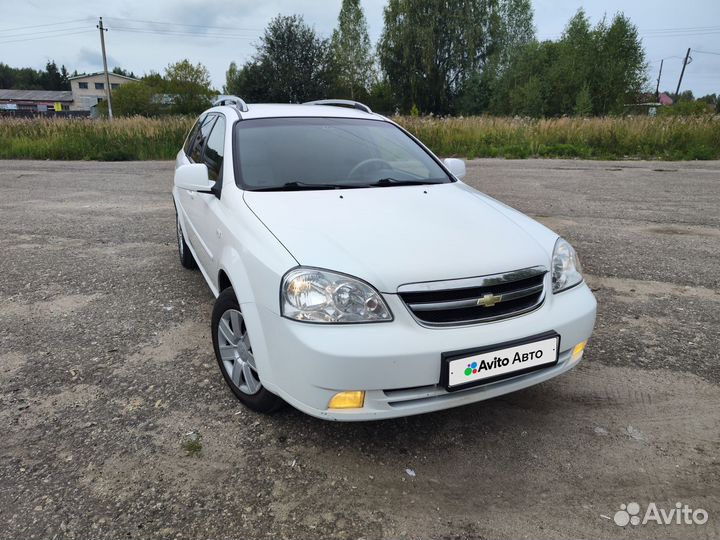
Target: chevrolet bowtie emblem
x,y
489,300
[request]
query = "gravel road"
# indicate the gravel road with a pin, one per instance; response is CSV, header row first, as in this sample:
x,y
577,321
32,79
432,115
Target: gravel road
x,y
108,380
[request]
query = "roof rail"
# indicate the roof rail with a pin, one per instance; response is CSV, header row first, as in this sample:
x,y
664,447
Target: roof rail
x,y
341,103
233,101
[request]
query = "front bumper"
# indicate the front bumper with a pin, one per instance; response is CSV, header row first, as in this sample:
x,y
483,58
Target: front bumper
x,y
398,363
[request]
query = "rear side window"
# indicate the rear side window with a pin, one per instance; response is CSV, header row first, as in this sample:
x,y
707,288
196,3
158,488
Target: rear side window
x,y
191,136
196,151
215,149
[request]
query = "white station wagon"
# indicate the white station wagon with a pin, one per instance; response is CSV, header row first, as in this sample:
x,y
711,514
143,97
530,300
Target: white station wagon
x,y
357,277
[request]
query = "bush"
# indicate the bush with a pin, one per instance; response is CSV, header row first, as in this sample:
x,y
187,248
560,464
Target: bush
x,y
138,98
687,108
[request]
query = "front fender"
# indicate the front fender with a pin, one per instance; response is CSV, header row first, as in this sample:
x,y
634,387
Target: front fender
x,y
248,288
254,262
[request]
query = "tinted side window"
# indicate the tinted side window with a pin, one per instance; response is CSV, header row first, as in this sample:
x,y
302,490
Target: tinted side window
x,y
215,149
191,135
198,146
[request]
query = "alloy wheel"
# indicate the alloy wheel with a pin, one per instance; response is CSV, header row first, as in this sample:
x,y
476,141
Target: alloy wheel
x,y
236,352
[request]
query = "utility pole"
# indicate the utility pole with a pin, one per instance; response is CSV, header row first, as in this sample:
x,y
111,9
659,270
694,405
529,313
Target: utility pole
x,y
107,76
657,88
685,63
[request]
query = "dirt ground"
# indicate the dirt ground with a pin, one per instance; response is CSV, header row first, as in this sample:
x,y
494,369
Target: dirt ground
x,y
107,373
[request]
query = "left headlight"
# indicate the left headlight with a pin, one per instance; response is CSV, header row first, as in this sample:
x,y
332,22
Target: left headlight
x,y
566,269
313,295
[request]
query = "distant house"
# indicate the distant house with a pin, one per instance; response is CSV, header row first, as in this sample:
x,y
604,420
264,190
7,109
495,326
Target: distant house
x,y
88,90
664,99
36,100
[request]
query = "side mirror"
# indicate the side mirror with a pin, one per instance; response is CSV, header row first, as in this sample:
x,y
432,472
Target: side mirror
x,y
193,177
456,166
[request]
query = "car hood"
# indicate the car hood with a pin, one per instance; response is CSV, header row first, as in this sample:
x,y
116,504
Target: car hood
x,y
390,236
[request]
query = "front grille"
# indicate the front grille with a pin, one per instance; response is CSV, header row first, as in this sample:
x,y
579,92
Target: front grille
x,y
475,300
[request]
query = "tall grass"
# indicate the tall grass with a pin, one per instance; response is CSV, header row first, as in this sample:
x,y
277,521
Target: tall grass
x,y
86,139
590,138
138,138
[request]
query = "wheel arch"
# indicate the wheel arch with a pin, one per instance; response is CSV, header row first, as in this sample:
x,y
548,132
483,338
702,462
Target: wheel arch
x,y
223,281
234,273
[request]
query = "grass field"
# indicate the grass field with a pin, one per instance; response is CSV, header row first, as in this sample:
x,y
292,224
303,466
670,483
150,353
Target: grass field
x,y
674,138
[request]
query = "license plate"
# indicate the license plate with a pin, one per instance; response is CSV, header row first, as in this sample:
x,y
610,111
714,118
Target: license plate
x,y
467,368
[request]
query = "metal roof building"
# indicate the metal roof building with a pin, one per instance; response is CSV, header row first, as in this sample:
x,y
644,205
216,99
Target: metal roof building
x,y
35,100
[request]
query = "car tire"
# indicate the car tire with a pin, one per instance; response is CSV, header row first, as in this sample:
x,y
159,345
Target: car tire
x,y
233,351
186,257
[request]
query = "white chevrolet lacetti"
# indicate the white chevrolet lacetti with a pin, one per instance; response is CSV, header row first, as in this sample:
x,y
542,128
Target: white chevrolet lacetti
x,y
357,277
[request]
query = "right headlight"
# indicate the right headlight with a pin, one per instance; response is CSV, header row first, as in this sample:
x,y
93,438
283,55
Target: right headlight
x,y
321,296
566,269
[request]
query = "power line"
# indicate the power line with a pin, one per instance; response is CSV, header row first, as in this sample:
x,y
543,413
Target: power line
x,y
188,25
649,36
680,28
666,58
43,32
179,33
664,32
46,37
42,25
706,52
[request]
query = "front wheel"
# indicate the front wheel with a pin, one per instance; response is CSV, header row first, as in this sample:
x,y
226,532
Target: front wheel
x,y
235,357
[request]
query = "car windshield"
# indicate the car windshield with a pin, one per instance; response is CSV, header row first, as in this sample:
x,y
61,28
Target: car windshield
x,y
328,153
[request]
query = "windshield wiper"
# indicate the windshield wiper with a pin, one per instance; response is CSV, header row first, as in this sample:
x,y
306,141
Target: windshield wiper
x,y
300,186
385,182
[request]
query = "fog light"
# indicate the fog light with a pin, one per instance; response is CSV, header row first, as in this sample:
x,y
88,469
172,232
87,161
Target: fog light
x,y
347,400
578,350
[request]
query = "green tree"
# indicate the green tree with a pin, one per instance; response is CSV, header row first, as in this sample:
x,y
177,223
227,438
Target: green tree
x,y
231,80
190,87
54,78
528,72
291,64
528,99
141,98
381,98
514,31
572,67
686,95
351,52
686,107
474,97
618,65
583,102
429,48
124,72
20,78
31,79
601,66
710,99
249,82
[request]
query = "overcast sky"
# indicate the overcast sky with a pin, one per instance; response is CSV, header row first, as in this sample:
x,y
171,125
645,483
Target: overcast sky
x,y
33,31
